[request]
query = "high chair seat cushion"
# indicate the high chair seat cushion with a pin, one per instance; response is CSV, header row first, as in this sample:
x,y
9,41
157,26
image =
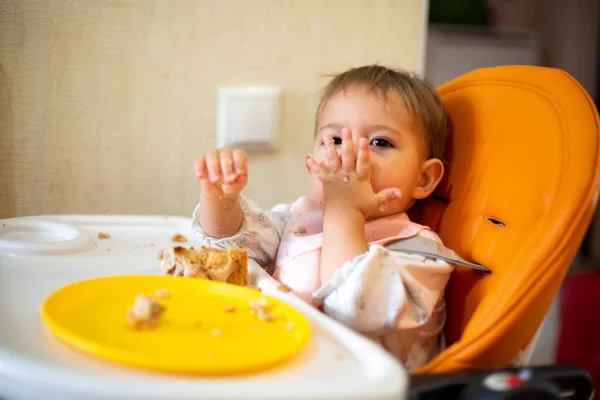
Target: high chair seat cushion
x,y
518,195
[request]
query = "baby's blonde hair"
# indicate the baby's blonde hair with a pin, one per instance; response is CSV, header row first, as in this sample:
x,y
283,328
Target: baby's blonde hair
x,y
420,98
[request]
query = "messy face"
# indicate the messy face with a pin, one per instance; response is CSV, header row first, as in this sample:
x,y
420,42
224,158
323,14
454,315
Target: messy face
x,y
397,152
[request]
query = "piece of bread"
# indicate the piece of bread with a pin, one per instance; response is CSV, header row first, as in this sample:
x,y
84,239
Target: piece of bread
x,y
230,265
145,313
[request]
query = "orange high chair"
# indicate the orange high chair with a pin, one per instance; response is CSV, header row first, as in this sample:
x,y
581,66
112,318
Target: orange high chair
x,y
518,195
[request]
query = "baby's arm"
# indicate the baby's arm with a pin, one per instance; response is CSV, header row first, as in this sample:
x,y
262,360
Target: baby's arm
x,y
343,238
225,218
259,232
223,174
349,201
395,298
383,290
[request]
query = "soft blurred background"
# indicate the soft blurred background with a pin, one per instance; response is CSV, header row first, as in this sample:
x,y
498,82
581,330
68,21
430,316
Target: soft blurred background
x,y
105,104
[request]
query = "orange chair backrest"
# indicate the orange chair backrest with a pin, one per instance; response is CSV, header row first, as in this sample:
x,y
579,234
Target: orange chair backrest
x,y
518,196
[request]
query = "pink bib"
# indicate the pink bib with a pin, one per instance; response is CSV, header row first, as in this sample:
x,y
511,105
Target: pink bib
x,y
299,254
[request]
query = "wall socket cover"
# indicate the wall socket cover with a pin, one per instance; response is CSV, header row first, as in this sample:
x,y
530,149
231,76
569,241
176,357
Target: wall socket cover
x,y
248,117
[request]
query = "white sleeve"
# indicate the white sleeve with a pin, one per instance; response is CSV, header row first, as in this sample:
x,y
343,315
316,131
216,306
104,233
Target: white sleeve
x,y
382,290
260,232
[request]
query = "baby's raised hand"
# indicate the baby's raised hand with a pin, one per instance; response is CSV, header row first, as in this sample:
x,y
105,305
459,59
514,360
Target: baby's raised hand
x,y
223,172
346,178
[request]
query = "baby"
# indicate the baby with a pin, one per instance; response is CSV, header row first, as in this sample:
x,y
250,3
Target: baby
x,y
379,139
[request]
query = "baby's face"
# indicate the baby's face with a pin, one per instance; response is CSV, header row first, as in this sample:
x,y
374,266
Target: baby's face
x,y
396,151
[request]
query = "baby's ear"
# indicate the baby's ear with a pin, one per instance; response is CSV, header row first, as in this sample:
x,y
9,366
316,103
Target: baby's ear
x,y
431,174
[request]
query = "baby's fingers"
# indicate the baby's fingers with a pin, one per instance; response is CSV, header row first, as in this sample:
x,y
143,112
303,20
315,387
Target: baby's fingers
x,y
213,166
348,153
200,168
387,195
333,160
226,161
240,162
314,167
363,164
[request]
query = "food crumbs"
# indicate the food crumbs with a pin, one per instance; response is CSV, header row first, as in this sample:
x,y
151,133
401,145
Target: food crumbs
x,y
108,249
284,288
300,231
229,309
259,308
289,326
254,328
264,315
178,237
339,356
216,333
346,179
101,235
145,312
162,294
259,303
4,225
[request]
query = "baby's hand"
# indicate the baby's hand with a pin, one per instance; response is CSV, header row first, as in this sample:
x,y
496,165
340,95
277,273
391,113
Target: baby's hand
x,y
223,172
346,179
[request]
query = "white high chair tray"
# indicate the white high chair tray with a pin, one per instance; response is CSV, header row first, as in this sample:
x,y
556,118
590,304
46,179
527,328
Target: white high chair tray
x,y
41,254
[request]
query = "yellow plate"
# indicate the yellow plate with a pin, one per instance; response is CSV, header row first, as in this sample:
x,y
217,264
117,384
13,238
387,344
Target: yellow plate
x,y
195,335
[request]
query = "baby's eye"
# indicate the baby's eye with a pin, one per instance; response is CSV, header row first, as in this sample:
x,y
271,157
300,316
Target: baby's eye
x,y
380,142
337,141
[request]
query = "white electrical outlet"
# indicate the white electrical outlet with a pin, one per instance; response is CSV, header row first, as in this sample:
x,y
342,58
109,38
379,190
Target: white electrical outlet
x,y
248,117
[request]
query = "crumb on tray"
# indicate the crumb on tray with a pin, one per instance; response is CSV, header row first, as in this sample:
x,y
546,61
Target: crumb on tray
x,y
284,288
179,238
162,294
102,235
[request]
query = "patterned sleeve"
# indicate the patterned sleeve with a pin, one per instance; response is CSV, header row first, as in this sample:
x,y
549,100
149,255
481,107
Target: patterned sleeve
x,y
382,290
260,232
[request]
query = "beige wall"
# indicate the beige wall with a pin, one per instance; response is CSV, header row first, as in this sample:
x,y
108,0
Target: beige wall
x,y
104,104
